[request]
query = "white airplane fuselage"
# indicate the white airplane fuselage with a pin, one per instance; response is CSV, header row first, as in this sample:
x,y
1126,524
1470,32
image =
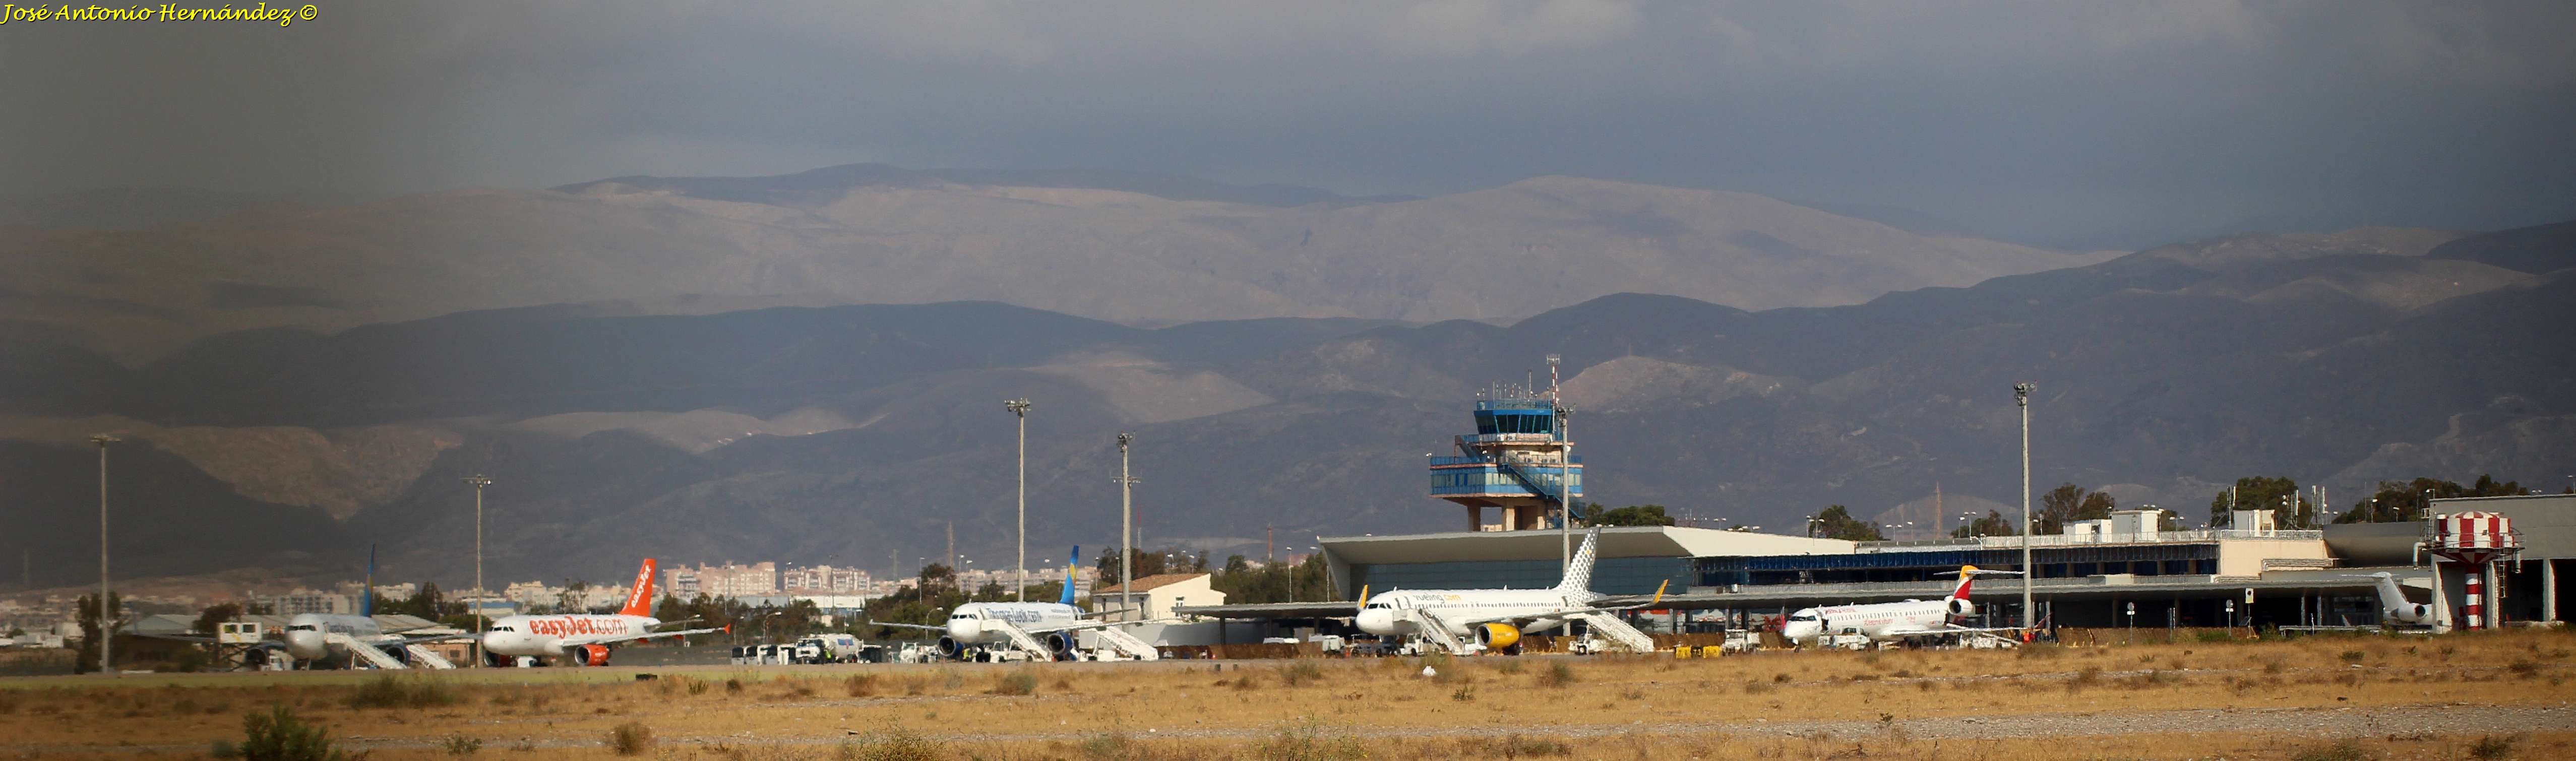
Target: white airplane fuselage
x,y
1539,608
1877,621
308,634
968,623
543,636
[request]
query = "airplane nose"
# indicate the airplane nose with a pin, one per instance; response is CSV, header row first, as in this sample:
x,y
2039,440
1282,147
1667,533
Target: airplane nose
x,y
304,645
964,629
1376,621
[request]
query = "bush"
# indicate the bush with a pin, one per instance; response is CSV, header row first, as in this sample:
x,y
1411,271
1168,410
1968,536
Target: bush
x,y
1558,674
2490,748
390,692
2352,656
900,744
460,745
2342,751
1306,740
2208,636
630,739
1517,746
2090,676
1302,672
1015,683
279,736
860,685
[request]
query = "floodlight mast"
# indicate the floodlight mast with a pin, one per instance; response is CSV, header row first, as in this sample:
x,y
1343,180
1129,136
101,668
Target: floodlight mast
x,y
478,481
106,615
2021,397
1126,533
1020,408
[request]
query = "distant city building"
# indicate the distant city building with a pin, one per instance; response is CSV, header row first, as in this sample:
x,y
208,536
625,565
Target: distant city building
x,y
728,580
303,601
823,579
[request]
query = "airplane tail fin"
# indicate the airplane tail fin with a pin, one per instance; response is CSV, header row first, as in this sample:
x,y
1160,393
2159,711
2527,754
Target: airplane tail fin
x,y
2390,597
1967,576
1069,567
1578,574
639,600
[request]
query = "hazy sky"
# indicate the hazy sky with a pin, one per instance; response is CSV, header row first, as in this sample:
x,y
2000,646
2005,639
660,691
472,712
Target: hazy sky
x,y
2072,122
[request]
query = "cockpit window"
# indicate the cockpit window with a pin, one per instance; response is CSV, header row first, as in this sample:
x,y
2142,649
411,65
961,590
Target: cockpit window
x,y
1803,617
297,627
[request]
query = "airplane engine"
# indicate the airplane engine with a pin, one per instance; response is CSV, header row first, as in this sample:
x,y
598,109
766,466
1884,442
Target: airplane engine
x,y
1061,643
1962,608
2413,614
949,647
1498,636
591,655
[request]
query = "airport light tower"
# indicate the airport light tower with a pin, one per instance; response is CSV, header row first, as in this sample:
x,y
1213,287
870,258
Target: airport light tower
x,y
106,614
1126,532
1020,408
478,481
2021,397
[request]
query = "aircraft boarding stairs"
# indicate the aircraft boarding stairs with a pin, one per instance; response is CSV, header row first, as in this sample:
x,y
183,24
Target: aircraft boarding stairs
x,y
427,658
1608,626
1021,639
364,651
1129,644
1431,627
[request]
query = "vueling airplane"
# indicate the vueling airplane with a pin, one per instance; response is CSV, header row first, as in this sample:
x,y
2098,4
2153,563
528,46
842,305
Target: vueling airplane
x,y
1052,625
581,638
1892,621
1494,618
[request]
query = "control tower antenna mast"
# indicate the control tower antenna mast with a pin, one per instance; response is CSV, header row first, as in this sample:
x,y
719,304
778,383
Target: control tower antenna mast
x,y
1552,394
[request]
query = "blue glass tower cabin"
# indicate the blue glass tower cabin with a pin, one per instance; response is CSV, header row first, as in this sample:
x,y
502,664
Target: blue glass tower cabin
x,y
1517,461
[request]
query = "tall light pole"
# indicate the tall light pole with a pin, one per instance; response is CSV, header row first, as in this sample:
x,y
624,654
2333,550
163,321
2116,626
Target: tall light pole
x,y
106,614
1564,485
1020,408
478,481
2021,397
1126,533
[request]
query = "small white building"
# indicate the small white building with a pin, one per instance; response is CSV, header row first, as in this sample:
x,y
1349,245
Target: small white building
x,y
1156,596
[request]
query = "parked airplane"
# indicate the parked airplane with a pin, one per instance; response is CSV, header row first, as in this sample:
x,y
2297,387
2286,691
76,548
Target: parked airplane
x,y
583,638
1496,618
1892,621
2393,605
1043,628
308,636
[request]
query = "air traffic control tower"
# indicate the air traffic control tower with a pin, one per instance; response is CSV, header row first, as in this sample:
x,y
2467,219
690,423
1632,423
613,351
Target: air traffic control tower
x,y
1517,460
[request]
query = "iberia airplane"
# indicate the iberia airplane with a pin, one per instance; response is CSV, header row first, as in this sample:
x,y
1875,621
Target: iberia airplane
x,y
582,638
1891,621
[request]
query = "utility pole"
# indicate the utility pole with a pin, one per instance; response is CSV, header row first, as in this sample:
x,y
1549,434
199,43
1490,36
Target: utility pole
x,y
953,579
1564,470
2021,397
106,613
478,481
1020,408
1126,532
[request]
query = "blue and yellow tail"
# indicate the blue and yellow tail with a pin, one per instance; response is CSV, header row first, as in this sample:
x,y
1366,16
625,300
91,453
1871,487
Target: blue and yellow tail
x,y
1069,566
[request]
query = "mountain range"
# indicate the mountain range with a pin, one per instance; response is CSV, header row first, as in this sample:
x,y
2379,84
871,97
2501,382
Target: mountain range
x,y
1132,248
858,434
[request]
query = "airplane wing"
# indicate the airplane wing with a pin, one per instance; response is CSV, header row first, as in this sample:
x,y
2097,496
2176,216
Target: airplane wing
x,y
182,638
610,639
1081,625
1658,599
922,627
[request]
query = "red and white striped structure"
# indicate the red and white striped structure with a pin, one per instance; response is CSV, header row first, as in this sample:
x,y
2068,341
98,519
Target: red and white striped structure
x,y
2476,541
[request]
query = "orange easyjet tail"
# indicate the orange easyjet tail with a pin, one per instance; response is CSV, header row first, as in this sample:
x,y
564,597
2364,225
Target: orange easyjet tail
x,y
639,602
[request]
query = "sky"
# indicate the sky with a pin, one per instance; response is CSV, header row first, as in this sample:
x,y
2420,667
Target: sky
x,y
2083,124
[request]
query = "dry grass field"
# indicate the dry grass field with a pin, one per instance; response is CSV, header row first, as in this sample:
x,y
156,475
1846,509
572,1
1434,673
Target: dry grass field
x,y
2503,695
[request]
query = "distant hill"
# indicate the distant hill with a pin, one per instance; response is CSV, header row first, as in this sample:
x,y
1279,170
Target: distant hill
x,y
857,434
1124,247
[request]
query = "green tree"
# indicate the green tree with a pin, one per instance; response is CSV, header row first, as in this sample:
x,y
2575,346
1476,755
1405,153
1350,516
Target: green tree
x,y
1836,522
2409,501
2290,509
2069,503
213,617
1632,515
90,631
1991,525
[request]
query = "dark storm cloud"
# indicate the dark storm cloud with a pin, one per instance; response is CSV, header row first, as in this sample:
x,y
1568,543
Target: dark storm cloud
x,y
2061,121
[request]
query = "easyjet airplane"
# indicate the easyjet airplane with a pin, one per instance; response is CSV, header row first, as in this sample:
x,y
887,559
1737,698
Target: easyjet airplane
x,y
581,638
